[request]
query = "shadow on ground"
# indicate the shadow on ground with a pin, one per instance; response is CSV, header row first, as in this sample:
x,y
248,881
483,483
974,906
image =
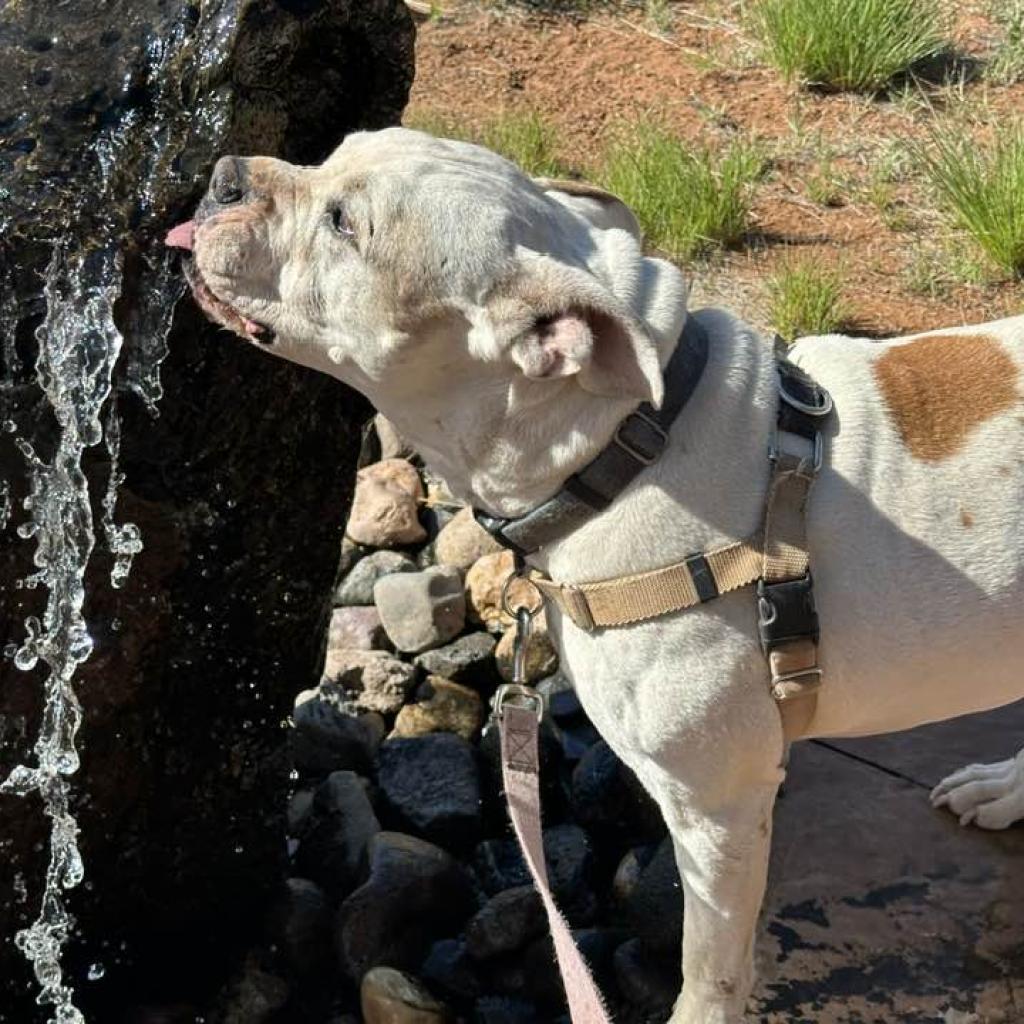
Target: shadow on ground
x,y
881,910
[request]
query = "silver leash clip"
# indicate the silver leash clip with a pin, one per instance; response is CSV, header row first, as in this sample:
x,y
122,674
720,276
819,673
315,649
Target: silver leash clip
x,y
519,691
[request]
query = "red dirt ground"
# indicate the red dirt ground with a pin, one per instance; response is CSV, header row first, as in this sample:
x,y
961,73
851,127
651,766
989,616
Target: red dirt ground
x,y
588,75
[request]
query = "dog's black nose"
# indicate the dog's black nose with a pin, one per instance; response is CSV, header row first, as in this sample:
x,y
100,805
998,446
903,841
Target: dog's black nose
x,y
228,182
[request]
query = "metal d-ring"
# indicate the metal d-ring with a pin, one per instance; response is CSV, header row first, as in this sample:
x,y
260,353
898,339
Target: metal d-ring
x,y
513,613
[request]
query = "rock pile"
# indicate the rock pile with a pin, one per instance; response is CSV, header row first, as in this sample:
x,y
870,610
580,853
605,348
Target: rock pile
x,y
408,889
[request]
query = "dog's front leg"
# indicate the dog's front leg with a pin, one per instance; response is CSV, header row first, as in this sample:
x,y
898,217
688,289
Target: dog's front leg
x,y
723,863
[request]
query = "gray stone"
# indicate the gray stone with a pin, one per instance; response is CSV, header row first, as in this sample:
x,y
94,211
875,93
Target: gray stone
x,y
300,806
423,609
468,660
505,923
325,739
430,787
387,996
357,587
332,851
358,628
255,997
416,893
371,680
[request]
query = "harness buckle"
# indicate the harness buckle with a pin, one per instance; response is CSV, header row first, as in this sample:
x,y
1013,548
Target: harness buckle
x,y
775,450
634,446
785,611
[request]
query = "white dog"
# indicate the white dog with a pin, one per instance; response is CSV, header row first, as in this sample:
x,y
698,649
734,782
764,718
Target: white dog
x,y
506,326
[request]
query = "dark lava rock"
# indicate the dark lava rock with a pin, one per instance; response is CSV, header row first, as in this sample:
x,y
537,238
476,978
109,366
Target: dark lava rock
x,y
240,486
451,970
430,787
506,1010
650,982
332,851
301,926
325,739
506,922
564,707
607,796
416,894
468,660
499,866
653,909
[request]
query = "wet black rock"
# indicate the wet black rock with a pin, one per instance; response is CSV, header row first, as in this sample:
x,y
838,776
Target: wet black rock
x,y
240,487
430,786
416,894
506,1010
506,922
499,866
332,850
607,796
468,660
301,927
450,970
649,981
325,739
653,908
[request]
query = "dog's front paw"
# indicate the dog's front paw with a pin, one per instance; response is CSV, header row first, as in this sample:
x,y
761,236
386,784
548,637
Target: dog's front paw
x,y
988,795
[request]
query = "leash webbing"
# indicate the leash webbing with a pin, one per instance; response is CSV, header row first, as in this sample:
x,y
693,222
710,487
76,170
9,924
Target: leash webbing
x,y
520,769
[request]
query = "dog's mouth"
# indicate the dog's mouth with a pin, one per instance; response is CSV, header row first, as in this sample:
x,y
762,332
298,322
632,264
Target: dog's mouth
x,y
218,309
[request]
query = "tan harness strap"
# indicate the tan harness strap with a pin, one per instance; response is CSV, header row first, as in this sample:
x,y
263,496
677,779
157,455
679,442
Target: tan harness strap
x,y
795,676
646,595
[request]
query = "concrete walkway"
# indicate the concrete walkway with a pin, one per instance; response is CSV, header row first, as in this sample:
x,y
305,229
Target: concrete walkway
x,y
881,910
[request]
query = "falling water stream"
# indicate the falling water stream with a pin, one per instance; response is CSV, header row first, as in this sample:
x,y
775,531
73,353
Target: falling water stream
x,y
79,348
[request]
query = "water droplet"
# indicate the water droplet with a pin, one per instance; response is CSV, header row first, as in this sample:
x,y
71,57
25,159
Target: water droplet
x,y
96,972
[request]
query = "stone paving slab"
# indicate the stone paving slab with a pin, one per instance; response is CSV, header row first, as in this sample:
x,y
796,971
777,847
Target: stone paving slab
x,y
881,910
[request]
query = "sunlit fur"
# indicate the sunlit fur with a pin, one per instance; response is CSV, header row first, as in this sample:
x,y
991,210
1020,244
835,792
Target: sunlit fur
x,y
453,308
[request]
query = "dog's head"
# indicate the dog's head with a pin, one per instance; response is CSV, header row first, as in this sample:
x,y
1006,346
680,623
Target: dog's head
x,y
404,258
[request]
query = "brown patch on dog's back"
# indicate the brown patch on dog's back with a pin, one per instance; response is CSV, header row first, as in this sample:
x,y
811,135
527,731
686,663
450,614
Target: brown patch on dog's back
x,y
966,519
940,387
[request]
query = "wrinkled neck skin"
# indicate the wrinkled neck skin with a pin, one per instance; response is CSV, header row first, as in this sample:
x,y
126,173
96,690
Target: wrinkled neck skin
x,y
504,442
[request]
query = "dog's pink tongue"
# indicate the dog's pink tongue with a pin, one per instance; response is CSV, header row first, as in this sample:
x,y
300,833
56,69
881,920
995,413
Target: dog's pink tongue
x,y
180,237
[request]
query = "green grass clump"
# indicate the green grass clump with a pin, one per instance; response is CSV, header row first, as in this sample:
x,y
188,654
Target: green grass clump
x,y
859,45
1006,65
689,198
805,298
527,140
982,189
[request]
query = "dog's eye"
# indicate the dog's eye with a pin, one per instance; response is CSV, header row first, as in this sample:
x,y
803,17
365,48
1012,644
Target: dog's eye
x,y
340,222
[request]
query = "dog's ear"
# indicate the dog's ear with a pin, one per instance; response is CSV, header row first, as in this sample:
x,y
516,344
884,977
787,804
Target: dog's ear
x,y
601,208
558,321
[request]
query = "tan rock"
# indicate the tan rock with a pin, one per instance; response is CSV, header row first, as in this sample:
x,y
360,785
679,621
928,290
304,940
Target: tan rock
x,y
385,507
463,541
541,656
376,681
484,582
388,996
450,708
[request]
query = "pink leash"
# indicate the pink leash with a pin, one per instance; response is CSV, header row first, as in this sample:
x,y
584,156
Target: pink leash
x,y
520,767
